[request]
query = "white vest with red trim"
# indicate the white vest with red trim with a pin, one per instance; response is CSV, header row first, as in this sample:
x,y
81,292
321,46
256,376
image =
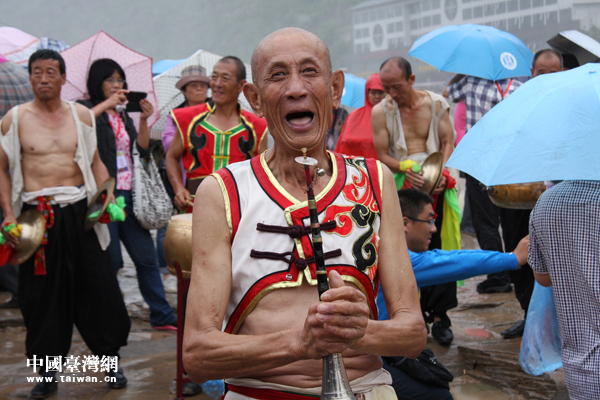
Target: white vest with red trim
x,y
253,197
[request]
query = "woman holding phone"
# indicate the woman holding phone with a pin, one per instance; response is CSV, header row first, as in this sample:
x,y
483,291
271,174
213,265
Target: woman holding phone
x,y
116,133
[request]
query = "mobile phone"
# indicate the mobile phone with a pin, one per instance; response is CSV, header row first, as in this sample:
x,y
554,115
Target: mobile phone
x,y
133,101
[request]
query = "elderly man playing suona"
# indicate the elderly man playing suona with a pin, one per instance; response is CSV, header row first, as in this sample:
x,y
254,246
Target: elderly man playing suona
x,y
254,317
214,134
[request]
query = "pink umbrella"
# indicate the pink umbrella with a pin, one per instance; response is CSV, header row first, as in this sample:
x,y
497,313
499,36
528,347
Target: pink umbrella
x,y
2,59
17,45
137,67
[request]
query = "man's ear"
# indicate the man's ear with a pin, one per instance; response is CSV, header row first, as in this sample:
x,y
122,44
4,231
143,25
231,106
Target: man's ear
x,y
405,220
337,88
240,85
411,79
253,96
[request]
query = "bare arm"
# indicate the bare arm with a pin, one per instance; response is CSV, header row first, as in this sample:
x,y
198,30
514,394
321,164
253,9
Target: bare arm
x,y
381,138
99,169
212,354
404,333
543,279
143,137
446,135
5,183
172,161
110,103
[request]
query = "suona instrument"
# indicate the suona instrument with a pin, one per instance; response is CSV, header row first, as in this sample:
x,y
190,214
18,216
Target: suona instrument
x,y
335,384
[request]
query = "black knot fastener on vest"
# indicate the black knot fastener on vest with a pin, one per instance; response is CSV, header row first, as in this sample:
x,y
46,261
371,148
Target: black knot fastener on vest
x,y
296,231
301,264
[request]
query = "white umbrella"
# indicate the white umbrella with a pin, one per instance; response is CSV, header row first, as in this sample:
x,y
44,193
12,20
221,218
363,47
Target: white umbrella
x,y
170,97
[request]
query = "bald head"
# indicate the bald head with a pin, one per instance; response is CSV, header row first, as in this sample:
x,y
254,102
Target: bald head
x,y
292,37
399,62
545,62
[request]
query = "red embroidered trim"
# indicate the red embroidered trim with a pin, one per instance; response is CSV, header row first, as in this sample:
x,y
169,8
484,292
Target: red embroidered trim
x,y
234,198
45,208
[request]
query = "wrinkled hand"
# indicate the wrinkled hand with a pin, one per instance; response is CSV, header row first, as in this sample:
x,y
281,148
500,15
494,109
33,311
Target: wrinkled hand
x,y
183,199
522,251
147,109
441,186
11,240
415,180
336,323
116,99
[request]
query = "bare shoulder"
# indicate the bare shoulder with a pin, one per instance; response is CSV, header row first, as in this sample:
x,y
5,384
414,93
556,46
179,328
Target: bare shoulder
x,y
7,122
388,179
210,213
209,194
84,114
378,111
424,96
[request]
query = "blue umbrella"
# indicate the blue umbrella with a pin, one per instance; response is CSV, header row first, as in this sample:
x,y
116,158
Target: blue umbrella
x,y
354,91
164,65
476,50
548,129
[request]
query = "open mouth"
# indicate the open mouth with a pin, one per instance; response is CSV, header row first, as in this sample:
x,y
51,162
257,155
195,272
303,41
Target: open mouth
x,y
300,120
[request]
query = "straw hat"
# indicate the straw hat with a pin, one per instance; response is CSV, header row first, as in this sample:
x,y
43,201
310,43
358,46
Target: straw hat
x,y
193,73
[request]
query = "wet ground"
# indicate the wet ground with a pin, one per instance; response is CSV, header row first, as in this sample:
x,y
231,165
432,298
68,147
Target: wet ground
x,y
484,364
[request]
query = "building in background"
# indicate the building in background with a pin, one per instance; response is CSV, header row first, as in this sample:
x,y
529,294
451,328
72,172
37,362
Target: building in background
x,y
385,28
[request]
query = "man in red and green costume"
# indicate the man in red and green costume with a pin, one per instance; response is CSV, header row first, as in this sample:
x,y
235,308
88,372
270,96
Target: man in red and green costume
x,y
213,135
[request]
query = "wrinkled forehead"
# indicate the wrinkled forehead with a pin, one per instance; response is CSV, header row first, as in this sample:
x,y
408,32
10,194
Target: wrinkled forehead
x,y
289,47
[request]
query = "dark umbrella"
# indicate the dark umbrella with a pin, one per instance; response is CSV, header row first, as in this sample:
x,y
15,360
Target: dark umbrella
x,y
578,45
15,88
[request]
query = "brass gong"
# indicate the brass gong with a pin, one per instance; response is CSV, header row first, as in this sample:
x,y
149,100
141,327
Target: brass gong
x,y
432,170
32,235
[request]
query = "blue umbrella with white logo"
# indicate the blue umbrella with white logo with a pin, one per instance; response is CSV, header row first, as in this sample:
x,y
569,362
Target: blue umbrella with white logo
x,y
477,50
548,129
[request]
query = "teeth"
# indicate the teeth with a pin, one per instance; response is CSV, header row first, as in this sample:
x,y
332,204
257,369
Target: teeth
x,y
300,120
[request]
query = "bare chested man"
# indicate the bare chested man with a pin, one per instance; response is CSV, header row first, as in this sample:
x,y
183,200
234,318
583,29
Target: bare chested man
x,y
418,136
254,317
215,134
409,125
49,161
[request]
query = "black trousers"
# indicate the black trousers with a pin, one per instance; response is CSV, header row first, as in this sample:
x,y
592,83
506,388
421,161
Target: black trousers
x,y
408,388
9,279
487,218
80,287
436,300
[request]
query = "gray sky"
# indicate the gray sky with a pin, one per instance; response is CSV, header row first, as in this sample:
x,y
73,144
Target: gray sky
x,y
177,28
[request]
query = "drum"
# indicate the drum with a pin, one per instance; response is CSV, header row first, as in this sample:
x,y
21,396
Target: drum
x,y
521,196
178,244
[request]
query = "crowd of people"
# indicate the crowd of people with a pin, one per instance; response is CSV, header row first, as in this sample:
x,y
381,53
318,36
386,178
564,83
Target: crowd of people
x,y
262,328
